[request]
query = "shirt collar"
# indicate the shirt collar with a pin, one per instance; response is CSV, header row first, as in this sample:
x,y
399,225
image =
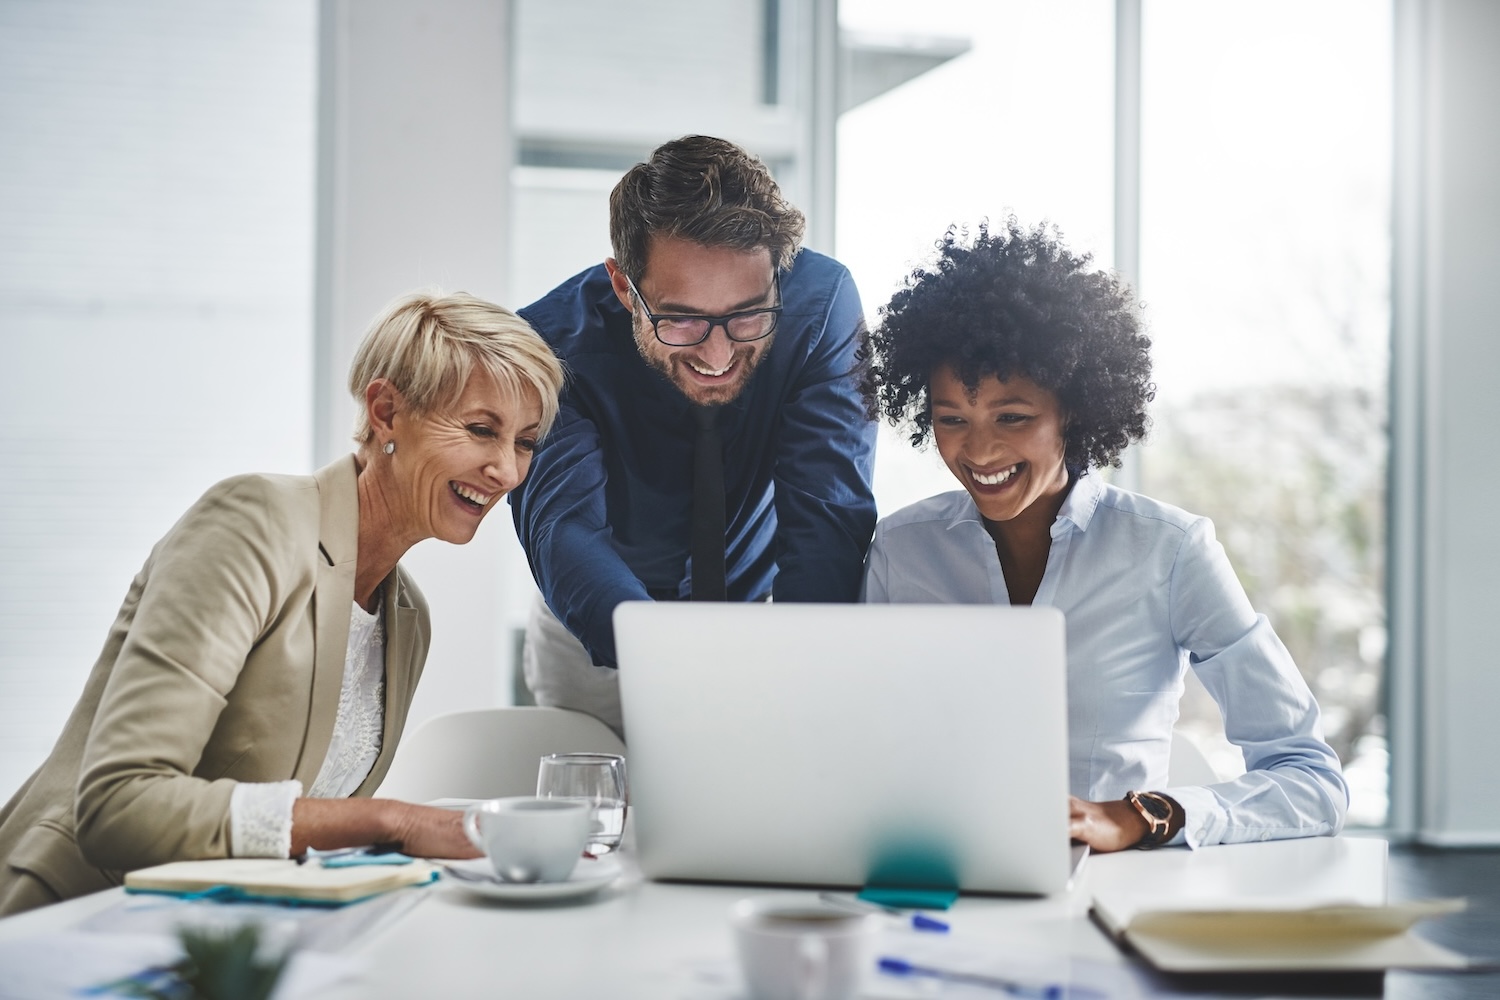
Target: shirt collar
x,y
1077,509
1081,502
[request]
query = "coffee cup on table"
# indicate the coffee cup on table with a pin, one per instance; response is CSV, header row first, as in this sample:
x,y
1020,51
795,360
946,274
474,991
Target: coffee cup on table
x,y
794,948
529,839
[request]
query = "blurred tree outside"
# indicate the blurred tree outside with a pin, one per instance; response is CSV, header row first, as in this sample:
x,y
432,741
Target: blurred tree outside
x,y
1293,476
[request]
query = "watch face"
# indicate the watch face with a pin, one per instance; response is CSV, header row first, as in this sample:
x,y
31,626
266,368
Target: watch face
x,y
1156,806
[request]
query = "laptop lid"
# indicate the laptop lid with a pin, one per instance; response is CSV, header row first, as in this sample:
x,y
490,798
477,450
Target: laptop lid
x,y
848,744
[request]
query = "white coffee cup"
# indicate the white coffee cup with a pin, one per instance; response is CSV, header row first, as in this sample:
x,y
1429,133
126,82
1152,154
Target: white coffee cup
x,y
794,948
529,839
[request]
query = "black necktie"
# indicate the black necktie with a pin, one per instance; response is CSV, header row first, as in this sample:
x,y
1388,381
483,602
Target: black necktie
x,y
708,508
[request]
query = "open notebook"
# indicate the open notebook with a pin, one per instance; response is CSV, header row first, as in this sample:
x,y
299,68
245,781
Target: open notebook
x,y
1267,935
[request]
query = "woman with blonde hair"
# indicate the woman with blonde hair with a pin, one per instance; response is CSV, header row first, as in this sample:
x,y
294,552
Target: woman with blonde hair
x,y
255,684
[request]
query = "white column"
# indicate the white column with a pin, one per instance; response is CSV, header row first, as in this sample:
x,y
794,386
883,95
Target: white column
x,y
413,181
1446,360
822,111
1127,261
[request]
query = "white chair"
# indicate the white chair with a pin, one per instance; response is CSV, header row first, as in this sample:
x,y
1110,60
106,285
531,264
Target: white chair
x,y
489,753
1188,764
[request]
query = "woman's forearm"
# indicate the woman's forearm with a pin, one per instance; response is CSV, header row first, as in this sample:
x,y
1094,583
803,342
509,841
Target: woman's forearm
x,y
421,831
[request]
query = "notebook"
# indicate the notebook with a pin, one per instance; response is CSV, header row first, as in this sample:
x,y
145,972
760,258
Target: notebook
x,y
272,880
1267,935
848,745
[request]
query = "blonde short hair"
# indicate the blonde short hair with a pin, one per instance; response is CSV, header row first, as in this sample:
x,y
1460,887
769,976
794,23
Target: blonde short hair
x,y
427,344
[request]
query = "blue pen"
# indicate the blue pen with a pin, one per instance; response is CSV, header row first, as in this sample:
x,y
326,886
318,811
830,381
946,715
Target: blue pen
x,y
1043,991
919,921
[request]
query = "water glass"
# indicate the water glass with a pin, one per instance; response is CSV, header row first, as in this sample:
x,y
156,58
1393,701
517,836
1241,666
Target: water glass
x,y
597,778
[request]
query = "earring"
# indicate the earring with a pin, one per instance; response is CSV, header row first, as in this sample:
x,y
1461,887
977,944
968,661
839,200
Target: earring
x,y
390,447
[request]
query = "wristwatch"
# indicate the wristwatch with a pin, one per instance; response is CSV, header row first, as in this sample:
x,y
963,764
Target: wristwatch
x,y
1158,811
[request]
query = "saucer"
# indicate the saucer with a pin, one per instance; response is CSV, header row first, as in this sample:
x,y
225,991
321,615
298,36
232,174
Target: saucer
x,y
479,876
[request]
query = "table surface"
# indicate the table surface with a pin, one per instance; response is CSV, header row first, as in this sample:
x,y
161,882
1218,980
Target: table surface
x,y
658,940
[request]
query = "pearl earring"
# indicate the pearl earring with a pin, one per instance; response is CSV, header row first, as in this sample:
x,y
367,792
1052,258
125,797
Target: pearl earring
x,y
390,447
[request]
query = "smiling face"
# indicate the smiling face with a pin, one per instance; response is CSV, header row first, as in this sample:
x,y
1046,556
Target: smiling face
x,y
683,278
455,464
1004,442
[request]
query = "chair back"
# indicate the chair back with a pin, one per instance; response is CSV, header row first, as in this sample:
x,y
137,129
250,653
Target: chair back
x,y
489,753
1188,763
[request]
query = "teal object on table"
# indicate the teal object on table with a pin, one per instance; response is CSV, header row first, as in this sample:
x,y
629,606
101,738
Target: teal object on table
x,y
909,899
912,872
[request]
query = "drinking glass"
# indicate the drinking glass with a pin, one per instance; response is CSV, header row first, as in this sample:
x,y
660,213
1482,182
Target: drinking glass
x,y
597,778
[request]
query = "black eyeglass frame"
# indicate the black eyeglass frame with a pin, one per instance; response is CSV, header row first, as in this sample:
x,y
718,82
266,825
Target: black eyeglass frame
x,y
713,321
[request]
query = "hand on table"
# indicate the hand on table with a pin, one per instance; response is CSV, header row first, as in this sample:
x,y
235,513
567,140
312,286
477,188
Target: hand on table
x,y
422,831
429,832
1105,826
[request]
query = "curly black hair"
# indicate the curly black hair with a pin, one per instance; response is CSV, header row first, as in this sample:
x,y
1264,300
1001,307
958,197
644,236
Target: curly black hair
x,y
1016,302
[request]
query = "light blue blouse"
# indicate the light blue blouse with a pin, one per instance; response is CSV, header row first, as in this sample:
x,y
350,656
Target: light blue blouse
x,y
1147,592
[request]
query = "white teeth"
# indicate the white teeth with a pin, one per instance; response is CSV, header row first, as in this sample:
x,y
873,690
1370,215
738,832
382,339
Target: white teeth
x,y
709,371
996,479
473,496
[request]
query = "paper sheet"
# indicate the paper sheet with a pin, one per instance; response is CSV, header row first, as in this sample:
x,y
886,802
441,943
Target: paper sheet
x,y
719,979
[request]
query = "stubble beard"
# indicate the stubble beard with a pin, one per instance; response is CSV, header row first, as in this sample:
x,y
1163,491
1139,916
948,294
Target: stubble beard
x,y
747,357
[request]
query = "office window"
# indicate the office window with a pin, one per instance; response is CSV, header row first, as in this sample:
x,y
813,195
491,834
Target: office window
x,y
1021,122
1266,153
1264,261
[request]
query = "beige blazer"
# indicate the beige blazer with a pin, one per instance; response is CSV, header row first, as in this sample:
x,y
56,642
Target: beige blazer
x,y
223,665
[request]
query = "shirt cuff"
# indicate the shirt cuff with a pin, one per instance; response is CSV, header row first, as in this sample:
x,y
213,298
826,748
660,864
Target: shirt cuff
x,y
260,818
1204,818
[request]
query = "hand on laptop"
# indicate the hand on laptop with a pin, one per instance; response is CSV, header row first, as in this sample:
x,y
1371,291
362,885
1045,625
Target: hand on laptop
x,y
1105,826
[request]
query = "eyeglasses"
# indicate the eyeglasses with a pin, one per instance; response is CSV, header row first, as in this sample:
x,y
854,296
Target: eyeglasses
x,y
685,331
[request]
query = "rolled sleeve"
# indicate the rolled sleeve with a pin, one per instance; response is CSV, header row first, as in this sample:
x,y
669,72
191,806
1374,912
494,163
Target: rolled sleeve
x,y
1293,786
260,818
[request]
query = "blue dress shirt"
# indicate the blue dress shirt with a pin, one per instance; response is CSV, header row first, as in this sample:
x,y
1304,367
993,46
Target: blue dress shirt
x,y
605,514
1147,592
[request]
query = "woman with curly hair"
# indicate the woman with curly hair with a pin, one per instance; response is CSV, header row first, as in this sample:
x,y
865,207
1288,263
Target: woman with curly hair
x,y
1029,369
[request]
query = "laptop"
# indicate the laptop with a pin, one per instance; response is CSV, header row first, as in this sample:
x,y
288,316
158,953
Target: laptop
x,y
900,745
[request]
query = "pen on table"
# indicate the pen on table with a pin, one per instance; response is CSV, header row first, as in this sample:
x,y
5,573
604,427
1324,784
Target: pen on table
x,y
313,854
1041,991
919,921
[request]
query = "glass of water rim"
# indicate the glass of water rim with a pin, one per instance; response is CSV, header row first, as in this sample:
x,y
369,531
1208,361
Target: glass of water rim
x,y
597,778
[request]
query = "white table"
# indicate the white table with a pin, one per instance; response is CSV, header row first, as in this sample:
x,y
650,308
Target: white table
x,y
657,940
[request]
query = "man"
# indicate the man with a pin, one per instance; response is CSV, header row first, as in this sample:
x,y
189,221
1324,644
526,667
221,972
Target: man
x,y
712,443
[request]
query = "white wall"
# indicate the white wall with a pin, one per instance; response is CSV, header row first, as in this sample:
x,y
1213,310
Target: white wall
x,y
413,188
594,73
611,82
156,205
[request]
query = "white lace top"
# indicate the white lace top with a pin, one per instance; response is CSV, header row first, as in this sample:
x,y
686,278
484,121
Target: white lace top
x,y
260,813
